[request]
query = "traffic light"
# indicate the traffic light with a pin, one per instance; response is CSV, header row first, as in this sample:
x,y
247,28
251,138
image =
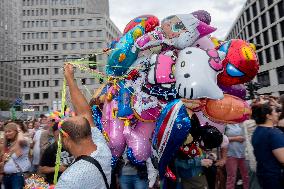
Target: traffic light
x,y
93,62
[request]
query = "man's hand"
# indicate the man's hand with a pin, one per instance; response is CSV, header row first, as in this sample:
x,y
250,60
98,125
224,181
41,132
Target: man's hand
x,y
240,139
68,71
206,162
220,163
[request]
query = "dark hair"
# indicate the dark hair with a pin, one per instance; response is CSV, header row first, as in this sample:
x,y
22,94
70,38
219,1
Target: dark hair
x,y
259,112
42,116
23,127
77,130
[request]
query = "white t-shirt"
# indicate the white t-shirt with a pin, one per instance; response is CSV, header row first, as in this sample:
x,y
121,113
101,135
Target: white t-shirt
x,y
36,149
83,174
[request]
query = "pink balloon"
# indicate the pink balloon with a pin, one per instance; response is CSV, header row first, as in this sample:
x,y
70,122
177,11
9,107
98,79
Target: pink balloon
x,y
138,139
204,43
203,120
114,128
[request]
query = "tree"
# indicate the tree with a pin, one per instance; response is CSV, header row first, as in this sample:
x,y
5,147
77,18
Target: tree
x,y
5,105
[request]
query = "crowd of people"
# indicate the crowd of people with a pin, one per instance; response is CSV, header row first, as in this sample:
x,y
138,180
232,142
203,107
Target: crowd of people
x,y
251,154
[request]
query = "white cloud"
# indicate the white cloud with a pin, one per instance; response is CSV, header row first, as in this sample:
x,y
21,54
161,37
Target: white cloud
x,y
223,12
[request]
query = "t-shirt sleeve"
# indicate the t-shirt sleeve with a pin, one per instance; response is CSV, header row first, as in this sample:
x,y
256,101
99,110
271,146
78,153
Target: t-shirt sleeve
x,y
46,159
277,139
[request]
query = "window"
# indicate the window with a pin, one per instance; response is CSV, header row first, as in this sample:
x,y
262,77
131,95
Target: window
x,y
280,9
56,82
81,22
73,34
72,22
99,33
248,15
262,5
90,33
55,46
45,108
64,46
56,70
82,34
73,46
91,45
272,15
83,81
274,33
265,36
256,25
55,35
64,34
254,10
276,51
263,78
82,45
268,55
56,95
27,96
250,30
36,96
280,74
263,20
99,21
90,21
99,44
63,23
282,27
54,23
260,58
45,95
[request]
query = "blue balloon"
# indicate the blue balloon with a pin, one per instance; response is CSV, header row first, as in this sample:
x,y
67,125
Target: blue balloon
x,y
97,116
124,100
124,53
172,128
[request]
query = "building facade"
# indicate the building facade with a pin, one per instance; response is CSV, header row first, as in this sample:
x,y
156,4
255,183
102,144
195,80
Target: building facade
x,y
262,22
9,71
61,29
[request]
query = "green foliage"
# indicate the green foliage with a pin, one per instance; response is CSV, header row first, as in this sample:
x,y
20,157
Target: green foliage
x,y
5,105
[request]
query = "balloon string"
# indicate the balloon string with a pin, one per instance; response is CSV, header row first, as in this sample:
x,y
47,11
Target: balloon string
x,y
57,163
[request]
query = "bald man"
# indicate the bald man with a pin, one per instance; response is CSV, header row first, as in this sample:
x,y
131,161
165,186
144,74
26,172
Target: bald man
x,y
86,143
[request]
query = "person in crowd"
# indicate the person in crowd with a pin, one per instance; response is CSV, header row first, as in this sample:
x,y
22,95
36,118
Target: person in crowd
x,y
236,156
48,159
215,174
268,144
280,124
31,129
86,143
40,142
16,157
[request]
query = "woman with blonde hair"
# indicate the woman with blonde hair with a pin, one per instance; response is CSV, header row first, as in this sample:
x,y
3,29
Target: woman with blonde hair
x,y
15,160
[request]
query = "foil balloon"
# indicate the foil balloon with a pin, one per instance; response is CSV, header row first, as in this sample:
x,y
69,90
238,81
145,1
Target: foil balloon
x,y
235,90
146,108
172,128
204,43
124,53
240,64
151,22
97,116
114,128
124,101
162,68
162,93
138,142
194,105
150,40
230,109
211,137
196,73
203,16
204,120
184,29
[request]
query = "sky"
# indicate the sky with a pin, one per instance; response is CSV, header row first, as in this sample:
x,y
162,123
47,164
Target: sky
x,y
223,12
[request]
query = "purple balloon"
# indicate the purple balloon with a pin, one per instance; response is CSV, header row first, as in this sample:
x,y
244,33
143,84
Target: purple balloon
x,y
114,128
203,120
203,16
235,90
138,139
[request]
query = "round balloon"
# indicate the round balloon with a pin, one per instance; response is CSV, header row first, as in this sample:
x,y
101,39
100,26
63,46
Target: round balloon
x,y
230,109
235,90
151,22
240,64
211,137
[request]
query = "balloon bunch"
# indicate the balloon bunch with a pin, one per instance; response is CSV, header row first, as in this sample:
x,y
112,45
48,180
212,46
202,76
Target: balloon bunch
x,y
36,182
170,71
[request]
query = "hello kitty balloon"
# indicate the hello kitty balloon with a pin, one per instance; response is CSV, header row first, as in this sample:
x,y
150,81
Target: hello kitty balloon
x,y
196,73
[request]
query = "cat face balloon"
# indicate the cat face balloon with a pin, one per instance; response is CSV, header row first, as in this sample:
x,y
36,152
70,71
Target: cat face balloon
x,y
196,73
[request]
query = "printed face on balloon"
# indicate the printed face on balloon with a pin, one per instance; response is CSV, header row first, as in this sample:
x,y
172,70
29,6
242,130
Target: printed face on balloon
x,y
195,66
